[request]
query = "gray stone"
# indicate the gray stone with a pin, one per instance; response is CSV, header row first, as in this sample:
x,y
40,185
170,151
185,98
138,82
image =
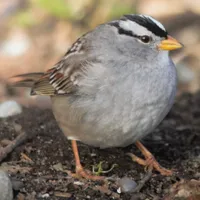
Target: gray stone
x,y
126,185
9,108
6,192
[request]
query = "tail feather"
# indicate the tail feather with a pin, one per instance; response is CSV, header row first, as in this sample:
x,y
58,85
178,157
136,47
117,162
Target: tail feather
x,y
23,83
25,80
38,83
34,76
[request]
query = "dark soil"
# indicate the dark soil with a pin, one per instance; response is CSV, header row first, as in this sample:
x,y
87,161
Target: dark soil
x,y
175,144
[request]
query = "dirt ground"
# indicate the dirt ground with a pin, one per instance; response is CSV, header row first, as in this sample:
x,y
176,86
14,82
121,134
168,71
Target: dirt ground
x,y
38,168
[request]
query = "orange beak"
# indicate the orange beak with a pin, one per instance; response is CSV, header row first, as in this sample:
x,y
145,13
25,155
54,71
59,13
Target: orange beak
x,y
169,44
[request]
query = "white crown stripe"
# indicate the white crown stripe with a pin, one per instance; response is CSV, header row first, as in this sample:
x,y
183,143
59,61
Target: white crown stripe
x,y
138,29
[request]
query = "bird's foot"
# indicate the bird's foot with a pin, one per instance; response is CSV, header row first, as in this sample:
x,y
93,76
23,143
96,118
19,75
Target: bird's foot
x,y
81,173
149,162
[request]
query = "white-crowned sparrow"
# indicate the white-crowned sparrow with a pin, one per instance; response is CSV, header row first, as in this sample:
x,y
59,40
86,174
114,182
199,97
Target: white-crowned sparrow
x,y
113,86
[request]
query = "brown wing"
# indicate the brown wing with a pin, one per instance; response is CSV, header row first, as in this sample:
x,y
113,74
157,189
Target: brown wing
x,y
63,77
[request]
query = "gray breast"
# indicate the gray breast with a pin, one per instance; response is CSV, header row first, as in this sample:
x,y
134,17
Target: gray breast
x,y
120,110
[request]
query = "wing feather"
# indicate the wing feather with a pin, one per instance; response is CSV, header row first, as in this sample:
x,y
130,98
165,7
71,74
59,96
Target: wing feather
x,y
64,77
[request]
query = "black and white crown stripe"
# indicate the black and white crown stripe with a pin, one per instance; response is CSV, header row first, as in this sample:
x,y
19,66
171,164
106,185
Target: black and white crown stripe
x,y
137,25
155,21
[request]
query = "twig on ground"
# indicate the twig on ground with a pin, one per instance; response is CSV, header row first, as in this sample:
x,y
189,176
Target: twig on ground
x,y
26,158
142,182
14,169
22,137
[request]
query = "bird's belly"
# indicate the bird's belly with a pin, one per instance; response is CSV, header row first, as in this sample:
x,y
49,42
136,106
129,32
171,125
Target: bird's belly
x,y
114,124
118,131
119,117
126,117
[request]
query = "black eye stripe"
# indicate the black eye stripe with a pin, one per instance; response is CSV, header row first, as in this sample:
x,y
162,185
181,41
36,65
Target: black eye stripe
x,y
122,31
125,32
144,39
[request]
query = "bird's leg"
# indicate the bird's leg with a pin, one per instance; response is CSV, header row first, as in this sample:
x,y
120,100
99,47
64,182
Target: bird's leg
x,y
149,162
80,172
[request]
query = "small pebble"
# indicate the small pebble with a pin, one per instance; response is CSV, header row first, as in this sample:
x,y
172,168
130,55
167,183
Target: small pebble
x,y
46,195
78,183
6,192
126,185
9,108
58,167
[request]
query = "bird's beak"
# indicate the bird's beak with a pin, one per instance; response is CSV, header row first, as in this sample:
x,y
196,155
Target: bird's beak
x,y
169,44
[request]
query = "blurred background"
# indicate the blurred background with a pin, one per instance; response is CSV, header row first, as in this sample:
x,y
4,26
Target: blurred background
x,y
34,34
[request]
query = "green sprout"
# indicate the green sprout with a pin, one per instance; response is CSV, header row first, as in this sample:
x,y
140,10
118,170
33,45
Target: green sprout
x,y
98,170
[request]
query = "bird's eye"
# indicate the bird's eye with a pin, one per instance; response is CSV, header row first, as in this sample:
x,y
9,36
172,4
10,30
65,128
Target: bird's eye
x,y
145,39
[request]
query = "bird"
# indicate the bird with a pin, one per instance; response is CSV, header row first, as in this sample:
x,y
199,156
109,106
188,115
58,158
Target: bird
x,y
113,86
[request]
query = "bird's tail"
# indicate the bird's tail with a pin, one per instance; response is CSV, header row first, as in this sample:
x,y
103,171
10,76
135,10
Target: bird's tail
x,y
38,82
25,80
